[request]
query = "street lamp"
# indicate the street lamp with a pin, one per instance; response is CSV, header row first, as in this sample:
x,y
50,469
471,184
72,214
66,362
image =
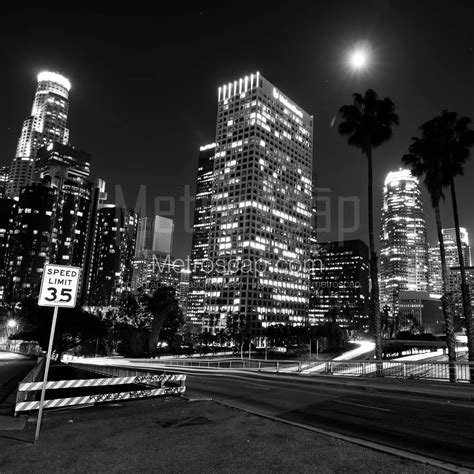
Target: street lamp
x,y
11,323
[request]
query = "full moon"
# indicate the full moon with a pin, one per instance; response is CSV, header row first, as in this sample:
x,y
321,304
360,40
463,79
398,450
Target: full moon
x,y
358,59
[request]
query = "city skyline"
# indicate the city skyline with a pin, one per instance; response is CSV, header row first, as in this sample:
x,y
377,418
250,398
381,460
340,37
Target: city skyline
x,y
264,209
314,87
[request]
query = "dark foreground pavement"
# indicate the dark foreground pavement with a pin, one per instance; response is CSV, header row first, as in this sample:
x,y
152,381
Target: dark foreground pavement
x,y
175,435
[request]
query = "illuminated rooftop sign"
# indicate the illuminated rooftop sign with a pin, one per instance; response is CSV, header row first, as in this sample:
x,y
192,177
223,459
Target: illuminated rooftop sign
x,y
287,103
54,77
207,147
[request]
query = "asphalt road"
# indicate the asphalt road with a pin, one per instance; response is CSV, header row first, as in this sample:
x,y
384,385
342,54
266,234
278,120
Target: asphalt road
x,y
13,367
434,428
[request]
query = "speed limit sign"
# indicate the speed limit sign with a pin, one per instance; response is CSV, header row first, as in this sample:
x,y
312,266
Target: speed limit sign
x,y
59,289
59,286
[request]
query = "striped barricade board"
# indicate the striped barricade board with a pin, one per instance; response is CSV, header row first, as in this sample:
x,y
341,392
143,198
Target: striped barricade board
x,y
145,379
139,379
92,399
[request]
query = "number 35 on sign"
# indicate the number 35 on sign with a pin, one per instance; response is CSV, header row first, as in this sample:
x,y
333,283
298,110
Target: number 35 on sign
x,y
59,286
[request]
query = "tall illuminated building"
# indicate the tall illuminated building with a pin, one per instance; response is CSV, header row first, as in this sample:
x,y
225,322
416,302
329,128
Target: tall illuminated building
x,y
435,276
46,124
451,247
341,282
112,260
259,239
144,234
403,246
201,226
51,222
4,171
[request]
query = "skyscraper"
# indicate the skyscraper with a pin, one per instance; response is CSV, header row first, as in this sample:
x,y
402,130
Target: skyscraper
x,y
261,208
4,170
30,241
114,248
51,222
7,216
46,124
454,287
163,235
341,282
435,277
451,247
144,234
202,224
404,251
66,170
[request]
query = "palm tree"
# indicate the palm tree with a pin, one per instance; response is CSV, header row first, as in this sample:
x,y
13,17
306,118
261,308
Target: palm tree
x,y
457,139
368,123
425,159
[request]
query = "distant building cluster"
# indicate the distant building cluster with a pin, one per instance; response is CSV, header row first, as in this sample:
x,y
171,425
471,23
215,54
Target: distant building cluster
x,y
52,212
255,251
411,281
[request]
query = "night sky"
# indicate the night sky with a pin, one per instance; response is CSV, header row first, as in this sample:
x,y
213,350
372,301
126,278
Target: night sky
x,y
144,89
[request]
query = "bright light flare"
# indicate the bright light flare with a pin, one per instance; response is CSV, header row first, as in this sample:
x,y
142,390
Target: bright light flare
x,y
359,59
11,323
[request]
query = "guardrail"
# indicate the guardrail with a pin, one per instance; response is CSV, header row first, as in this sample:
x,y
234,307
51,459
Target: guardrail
x,y
33,375
16,347
230,363
393,369
162,384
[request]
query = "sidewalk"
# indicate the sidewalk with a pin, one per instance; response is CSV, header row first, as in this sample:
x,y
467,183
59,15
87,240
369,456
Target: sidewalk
x,y
172,435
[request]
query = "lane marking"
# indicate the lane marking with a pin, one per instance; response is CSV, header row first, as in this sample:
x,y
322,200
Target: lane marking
x,y
360,405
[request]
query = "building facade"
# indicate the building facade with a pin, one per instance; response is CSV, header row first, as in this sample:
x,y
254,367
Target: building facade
x,y
454,287
341,283
201,226
8,209
451,247
144,234
4,171
404,250
45,125
419,309
435,276
114,249
260,208
30,241
51,221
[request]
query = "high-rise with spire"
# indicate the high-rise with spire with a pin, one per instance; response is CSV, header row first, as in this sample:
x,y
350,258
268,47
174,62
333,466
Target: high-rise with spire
x,y
404,250
45,125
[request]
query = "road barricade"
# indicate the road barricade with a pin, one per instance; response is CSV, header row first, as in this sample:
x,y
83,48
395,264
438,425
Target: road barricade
x,y
148,385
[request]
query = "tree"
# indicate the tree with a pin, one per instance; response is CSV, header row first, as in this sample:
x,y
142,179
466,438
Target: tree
x,y
74,326
456,139
368,123
237,330
425,160
163,307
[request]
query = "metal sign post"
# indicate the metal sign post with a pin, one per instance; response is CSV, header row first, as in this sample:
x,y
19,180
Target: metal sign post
x,y
58,289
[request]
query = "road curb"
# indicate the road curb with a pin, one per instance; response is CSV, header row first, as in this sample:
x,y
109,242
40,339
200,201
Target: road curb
x,y
367,444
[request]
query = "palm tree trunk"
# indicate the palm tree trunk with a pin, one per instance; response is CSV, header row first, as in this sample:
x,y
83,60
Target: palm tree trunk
x,y
446,301
466,297
375,305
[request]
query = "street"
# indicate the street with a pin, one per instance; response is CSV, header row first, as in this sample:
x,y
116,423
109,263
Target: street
x,y
434,428
13,367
